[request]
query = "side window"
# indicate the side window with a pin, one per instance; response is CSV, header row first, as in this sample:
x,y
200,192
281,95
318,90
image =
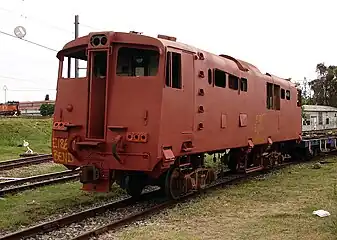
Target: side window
x,y
210,76
219,78
283,93
233,82
273,96
99,63
134,62
168,69
173,70
327,121
269,95
277,97
320,118
306,119
244,85
288,95
68,65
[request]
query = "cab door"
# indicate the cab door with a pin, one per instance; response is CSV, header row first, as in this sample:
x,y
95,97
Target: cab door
x,y
178,99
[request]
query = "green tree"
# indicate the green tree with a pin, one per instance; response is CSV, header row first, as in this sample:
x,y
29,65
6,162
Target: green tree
x,y
47,109
325,86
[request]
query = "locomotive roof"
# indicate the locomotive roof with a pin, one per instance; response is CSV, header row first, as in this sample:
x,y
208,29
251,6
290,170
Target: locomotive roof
x,y
230,62
190,48
221,60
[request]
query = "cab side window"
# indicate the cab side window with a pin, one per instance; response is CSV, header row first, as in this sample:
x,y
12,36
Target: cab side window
x,y
173,70
273,96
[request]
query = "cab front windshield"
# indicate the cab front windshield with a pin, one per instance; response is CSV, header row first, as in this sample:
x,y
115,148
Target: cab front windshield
x,y
131,62
136,62
69,64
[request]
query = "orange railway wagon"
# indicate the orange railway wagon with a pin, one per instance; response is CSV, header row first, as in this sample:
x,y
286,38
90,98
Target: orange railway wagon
x,y
9,108
148,111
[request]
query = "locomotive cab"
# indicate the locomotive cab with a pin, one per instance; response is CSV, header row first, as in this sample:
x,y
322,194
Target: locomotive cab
x,y
106,114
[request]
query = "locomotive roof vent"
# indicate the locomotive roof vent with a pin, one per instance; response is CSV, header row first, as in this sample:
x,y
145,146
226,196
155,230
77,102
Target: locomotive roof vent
x,y
134,32
167,37
98,40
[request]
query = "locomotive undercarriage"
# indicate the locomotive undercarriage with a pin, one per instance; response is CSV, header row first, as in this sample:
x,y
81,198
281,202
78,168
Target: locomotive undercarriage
x,y
181,178
190,173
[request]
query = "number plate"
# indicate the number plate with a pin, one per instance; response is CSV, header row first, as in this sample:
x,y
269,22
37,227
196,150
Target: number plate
x,y
60,151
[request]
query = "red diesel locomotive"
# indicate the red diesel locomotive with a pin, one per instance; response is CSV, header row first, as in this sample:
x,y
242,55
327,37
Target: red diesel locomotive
x,y
148,110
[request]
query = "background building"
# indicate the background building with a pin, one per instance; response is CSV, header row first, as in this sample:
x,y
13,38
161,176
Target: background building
x,y
318,117
32,107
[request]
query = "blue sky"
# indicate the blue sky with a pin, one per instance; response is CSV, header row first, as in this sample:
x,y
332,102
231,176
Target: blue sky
x,y
285,38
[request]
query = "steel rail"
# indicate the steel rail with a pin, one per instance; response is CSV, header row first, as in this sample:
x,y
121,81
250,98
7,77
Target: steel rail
x,y
37,181
20,162
63,221
147,212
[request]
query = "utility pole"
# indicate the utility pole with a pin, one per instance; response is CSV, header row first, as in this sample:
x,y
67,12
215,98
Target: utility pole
x,y
5,89
76,36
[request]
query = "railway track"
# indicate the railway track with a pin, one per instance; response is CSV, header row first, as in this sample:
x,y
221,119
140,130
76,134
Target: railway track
x,y
95,232
76,217
95,221
20,162
22,184
152,209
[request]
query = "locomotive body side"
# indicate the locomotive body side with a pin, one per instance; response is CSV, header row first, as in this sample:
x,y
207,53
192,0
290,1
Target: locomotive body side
x,y
210,113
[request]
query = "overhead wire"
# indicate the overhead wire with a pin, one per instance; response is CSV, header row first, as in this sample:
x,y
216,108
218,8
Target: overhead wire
x,y
43,22
88,26
37,44
31,90
38,20
21,79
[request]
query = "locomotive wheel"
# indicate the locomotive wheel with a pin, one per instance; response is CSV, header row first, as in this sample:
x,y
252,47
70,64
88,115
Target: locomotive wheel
x,y
134,185
174,186
233,164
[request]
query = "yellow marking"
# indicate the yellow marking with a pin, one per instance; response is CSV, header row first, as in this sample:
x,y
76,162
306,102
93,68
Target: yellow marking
x,y
60,151
60,143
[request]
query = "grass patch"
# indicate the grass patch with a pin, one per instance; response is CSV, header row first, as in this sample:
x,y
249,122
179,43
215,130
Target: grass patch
x,y
38,204
275,207
33,170
14,130
35,205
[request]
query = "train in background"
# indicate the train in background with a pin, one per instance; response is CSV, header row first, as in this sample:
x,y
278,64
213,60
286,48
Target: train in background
x,y
26,108
9,109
